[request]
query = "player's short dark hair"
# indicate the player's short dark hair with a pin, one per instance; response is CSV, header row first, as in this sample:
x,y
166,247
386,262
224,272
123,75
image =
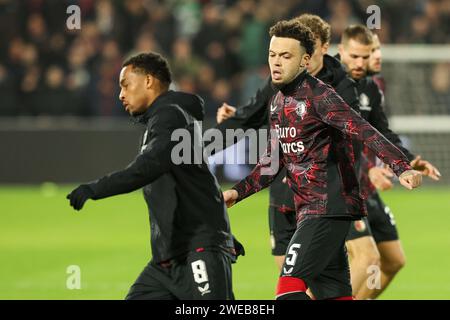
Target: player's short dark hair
x,y
359,33
151,63
294,30
318,26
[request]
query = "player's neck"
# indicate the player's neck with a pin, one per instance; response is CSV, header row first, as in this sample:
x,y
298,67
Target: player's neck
x,y
293,85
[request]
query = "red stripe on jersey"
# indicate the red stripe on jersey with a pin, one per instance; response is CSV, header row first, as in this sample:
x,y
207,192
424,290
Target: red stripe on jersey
x,y
290,284
344,298
200,249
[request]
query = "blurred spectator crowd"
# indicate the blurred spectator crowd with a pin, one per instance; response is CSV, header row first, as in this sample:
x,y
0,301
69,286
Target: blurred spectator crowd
x,y
216,48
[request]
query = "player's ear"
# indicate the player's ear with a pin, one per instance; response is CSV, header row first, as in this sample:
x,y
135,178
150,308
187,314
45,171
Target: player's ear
x,y
305,60
325,48
149,81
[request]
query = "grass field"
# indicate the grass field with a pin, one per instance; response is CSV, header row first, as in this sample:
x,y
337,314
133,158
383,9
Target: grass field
x,y
40,236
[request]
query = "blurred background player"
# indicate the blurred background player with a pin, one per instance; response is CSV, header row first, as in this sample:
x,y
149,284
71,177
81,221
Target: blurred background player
x,y
381,218
355,50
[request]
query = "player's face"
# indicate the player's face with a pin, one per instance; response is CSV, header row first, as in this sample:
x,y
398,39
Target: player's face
x,y
355,56
375,57
134,92
316,62
287,59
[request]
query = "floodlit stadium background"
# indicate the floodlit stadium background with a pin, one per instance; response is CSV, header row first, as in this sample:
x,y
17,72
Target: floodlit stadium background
x,y
61,123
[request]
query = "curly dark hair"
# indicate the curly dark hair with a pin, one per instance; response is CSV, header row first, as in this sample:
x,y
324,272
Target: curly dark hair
x,y
151,63
318,26
294,30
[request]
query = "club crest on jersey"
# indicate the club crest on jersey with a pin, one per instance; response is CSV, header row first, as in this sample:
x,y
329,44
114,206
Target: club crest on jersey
x,y
300,109
364,102
360,226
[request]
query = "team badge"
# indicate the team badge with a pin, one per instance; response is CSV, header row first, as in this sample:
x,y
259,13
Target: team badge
x,y
364,102
300,109
360,226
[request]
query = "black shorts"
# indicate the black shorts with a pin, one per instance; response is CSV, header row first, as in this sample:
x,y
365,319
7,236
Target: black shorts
x,y
381,220
282,226
200,275
358,229
318,256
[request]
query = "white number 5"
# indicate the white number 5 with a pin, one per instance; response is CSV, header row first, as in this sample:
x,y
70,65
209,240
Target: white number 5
x,y
292,254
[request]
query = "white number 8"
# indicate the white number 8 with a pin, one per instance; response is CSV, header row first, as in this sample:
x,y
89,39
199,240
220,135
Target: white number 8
x,y
199,271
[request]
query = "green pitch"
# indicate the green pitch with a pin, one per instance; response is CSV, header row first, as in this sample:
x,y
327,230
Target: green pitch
x,y
41,236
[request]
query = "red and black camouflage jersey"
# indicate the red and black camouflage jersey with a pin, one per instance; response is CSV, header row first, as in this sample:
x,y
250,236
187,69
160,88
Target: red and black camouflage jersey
x,y
314,128
368,161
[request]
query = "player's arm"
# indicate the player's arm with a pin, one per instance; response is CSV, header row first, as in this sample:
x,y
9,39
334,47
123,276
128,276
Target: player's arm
x,y
253,115
381,178
335,112
262,175
379,120
153,162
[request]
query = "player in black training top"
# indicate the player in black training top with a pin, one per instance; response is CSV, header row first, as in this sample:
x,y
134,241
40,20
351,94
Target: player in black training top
x,y
192,245
314,129
377,242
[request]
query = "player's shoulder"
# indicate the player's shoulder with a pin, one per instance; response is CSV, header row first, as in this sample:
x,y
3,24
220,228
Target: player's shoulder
x,y
178,108
317,86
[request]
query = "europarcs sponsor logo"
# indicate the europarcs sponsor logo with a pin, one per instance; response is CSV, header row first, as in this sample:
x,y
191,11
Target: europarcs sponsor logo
x,y
289,133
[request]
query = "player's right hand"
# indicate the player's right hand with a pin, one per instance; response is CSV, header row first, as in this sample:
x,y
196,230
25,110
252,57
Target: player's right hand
x,y
381,178
230,197
225,112
79,196
410,179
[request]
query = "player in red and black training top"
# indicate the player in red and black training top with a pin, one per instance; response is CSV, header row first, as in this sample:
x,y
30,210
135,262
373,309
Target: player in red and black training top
x,y
314,128
255,114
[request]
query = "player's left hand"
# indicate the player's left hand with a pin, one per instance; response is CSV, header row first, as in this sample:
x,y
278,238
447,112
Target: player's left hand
x,y
79,196
230,197
225,112
381,178
426,168
238,247
410,179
